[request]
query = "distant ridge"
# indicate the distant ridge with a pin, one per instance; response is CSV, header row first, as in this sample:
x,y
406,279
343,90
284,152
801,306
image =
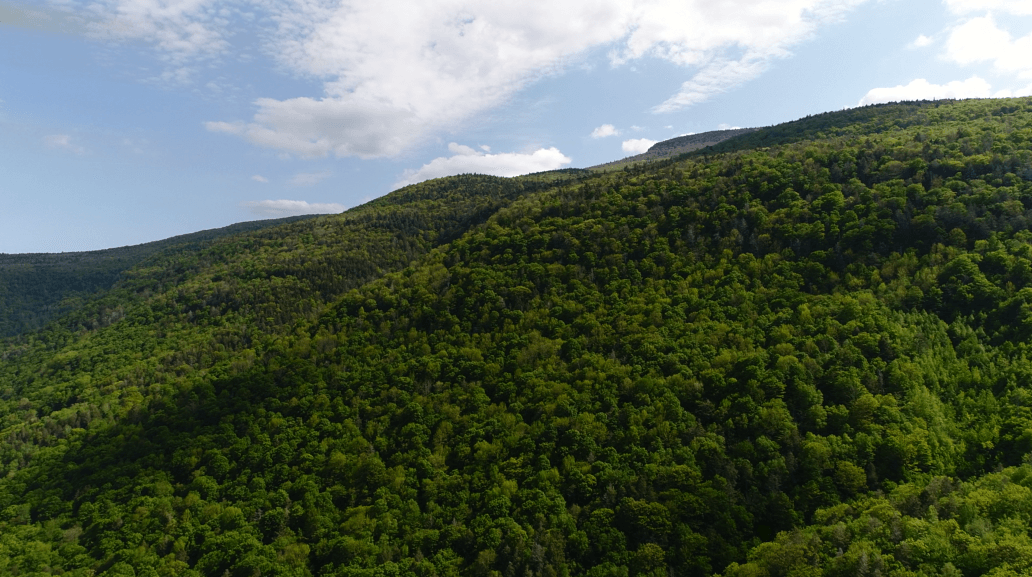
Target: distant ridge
x,y
680,145
692,142
34,286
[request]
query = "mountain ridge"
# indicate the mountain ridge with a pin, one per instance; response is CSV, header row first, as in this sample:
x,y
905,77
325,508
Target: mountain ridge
x,y
802,354
678,145
40,282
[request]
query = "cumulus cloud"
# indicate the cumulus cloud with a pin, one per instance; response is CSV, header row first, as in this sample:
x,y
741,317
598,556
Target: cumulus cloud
x,y
1013,92
637,145
310,178
259,178
981,40
63,142
604,131
465,159
281,208
397,71
921,89
921,41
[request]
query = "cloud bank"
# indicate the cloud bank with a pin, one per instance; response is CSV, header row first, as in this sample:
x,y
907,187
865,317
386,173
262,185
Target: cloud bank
x,y
921,89
281,208
397,71
974,40
981,40
469,160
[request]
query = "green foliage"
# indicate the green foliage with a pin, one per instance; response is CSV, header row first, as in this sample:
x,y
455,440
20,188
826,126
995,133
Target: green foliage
x,y
806,356
37,287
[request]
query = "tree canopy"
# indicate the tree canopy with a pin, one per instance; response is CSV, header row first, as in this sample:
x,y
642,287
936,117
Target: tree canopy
x,y
804,351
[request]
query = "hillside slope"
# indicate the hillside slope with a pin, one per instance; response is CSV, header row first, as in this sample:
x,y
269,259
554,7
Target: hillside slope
x,y
37,287
809,358
677,146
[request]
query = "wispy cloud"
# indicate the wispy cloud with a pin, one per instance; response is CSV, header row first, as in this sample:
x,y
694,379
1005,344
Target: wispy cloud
x,y
63,142
281,208
310,178
180,30
465,159
259,178
715,78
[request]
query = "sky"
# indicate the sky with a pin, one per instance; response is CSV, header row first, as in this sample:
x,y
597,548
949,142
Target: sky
x,y
128,121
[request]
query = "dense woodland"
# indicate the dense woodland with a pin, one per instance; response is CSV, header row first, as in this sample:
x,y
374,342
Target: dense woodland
x,y
37,287
805,351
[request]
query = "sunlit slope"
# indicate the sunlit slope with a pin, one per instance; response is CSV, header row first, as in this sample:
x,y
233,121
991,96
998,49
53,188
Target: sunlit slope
x,y
809,358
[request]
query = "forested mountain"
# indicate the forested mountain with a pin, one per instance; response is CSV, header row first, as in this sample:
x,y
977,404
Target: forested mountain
x,y
677,146
35,287
804,351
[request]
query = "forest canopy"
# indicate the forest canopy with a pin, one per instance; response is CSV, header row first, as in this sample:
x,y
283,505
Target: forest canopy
x,y
803,351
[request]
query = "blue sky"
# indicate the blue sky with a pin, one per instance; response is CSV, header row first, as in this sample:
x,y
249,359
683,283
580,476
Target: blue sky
x,y
125,121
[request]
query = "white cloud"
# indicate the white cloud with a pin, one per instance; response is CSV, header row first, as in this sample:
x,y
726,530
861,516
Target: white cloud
x,y
637,145
604,131
1016,7
313,128
259,178
1012,93
761,31
461,149
181,30
921,89
310,178
726,126
921,41
396,71
981,40
63,142
281,208
468,160
717,77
